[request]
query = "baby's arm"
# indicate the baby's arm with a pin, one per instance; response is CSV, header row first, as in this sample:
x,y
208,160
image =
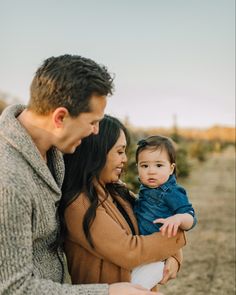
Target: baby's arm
x,y
171,224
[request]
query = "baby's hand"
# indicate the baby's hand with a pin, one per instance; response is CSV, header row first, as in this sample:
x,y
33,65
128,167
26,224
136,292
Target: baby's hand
x,y
170,225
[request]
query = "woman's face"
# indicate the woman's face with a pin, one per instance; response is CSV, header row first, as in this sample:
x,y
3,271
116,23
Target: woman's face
x,y
116,158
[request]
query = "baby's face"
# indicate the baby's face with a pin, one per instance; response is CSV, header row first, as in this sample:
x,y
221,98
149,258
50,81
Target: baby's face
x,y
154,167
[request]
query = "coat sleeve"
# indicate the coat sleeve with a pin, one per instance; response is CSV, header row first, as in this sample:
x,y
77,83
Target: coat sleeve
x,y
113,243
16,255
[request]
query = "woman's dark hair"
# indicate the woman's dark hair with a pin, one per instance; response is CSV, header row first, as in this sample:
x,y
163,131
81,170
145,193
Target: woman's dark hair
x,y
84,166
158,142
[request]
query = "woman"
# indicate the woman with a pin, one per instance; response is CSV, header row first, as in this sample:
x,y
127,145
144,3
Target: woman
x,y
99,227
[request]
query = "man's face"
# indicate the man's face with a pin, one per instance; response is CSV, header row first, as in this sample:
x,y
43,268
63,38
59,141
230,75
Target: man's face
x,y
75,129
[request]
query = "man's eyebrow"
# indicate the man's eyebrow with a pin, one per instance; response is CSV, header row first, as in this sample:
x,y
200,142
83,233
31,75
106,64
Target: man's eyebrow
x,y
96,120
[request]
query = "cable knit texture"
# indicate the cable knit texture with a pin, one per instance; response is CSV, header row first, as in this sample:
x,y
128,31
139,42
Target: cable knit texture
x,y
29,196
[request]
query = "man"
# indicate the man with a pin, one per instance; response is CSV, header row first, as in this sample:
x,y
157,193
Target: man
x,y
67,101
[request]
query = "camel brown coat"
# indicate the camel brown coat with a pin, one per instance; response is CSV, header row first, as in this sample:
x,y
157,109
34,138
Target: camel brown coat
x,y
116,250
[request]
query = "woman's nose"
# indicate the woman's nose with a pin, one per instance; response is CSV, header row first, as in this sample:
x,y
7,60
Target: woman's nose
x,y
124,160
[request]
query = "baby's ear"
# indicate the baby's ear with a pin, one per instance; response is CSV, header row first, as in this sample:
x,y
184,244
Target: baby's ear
x,y
172,167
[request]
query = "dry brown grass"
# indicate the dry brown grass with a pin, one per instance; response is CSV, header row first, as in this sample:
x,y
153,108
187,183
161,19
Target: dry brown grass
x,y
209,257
214,133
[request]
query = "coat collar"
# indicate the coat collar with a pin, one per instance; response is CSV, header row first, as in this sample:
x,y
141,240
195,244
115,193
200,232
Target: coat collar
x,y
16,136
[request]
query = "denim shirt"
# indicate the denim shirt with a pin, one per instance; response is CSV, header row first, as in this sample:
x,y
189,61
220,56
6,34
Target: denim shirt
x,y
161,202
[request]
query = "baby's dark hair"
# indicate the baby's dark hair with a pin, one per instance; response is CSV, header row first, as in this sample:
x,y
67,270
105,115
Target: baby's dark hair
x,y
158,142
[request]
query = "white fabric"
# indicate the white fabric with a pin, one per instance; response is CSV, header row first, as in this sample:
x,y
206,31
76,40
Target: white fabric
x,y
148,275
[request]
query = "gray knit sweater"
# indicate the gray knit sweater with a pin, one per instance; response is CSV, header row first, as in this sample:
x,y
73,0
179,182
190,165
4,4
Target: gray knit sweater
x,y
29,196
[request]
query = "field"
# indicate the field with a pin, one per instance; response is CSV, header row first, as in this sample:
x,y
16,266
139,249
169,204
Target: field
x,y
209,256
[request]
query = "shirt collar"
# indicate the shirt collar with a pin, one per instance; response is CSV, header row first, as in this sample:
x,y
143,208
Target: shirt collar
x,y
170,182
165,186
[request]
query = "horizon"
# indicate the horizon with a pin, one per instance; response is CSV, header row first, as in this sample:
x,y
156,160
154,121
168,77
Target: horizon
x,y
8,99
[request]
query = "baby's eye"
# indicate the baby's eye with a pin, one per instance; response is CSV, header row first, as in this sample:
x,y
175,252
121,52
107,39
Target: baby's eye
x,y
159,165
144,166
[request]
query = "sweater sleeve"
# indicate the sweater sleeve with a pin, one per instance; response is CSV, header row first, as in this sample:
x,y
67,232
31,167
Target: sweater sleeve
x,y
113,243
16,254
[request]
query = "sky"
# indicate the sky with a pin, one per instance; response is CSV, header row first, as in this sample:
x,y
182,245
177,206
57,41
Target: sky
x,y
170,58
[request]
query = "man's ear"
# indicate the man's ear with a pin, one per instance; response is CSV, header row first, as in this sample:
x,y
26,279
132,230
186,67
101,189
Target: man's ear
x,y
58,116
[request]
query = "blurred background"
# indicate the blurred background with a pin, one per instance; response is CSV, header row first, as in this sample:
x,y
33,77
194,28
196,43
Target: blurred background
x,y
174,68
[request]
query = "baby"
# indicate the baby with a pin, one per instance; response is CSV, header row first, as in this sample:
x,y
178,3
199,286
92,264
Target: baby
x,y
162,204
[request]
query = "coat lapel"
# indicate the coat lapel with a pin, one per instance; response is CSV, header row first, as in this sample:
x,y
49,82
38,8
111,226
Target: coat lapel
x,y
114,212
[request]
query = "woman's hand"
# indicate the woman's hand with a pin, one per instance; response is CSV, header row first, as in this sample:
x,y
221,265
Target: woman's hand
x,y
129,289
170,270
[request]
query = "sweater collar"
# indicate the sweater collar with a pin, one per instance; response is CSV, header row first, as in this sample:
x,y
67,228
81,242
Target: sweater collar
x,y
16,135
